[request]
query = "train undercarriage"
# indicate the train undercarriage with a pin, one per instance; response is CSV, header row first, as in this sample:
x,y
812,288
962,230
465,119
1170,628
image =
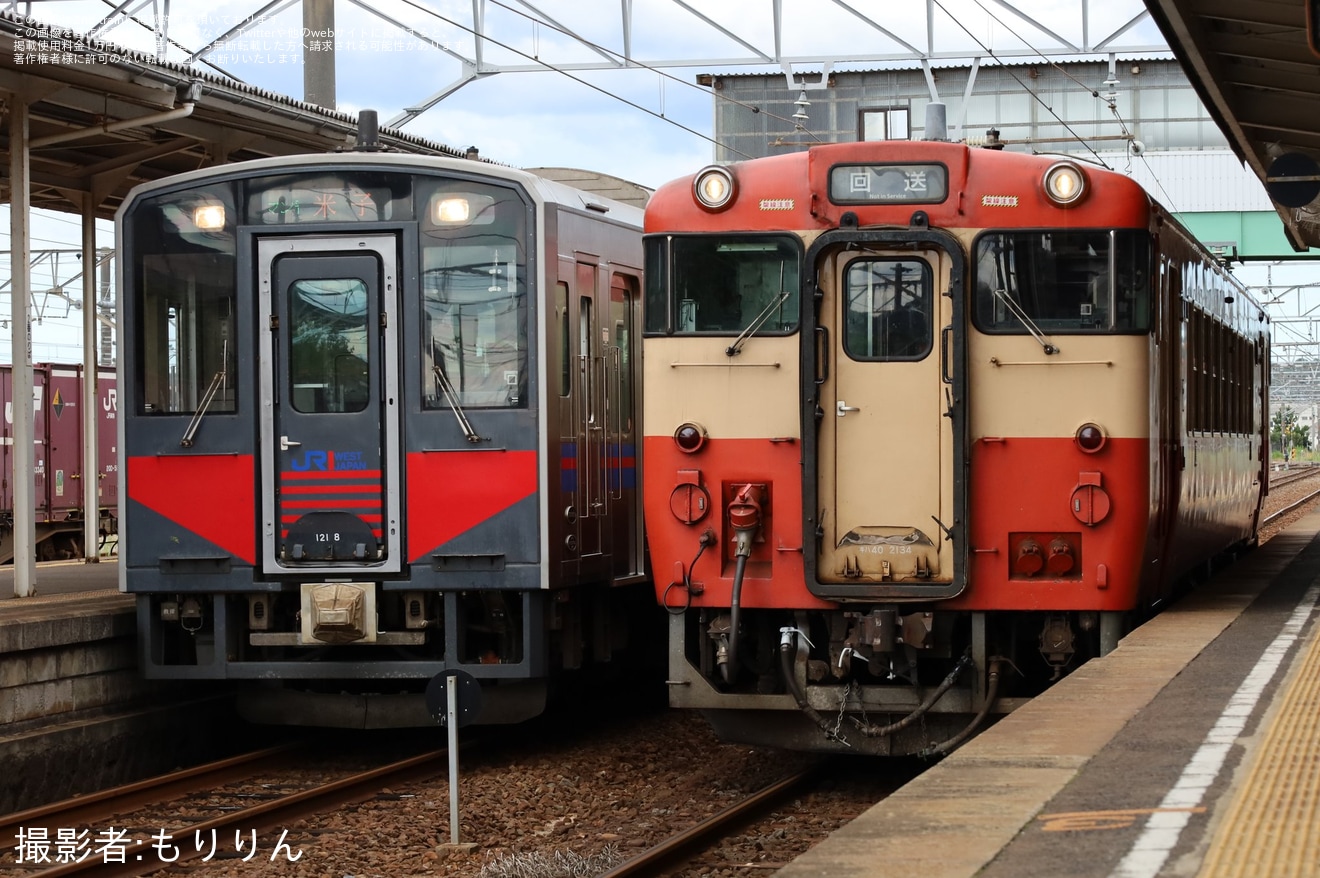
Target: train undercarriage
x,y
354,673
886,680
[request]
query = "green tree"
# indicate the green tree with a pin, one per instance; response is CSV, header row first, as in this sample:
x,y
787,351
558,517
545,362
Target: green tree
x,y
1287,434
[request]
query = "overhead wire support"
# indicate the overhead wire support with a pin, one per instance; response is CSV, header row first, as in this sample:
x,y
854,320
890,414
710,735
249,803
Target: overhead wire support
x,y
551,67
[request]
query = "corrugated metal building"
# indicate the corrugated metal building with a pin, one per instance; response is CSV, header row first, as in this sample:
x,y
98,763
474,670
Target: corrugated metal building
x,y
1140,116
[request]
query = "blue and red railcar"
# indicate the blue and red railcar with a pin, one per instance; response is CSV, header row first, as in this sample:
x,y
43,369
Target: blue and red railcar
x,y
379,425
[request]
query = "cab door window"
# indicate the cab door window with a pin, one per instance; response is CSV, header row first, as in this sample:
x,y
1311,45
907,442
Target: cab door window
x,y
888,305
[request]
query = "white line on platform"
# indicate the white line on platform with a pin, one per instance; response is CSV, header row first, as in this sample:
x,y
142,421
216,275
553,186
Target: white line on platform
x,y
1152,848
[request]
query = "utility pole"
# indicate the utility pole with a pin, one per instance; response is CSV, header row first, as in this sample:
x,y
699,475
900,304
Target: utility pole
x,y
319,52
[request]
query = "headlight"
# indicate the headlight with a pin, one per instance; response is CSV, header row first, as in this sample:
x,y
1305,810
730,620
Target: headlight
x,y
1065,184
714,188
209,217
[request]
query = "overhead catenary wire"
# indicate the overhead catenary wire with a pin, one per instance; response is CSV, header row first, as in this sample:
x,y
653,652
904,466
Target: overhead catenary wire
x,y
632,62
1094,92
565,73
616,55
1018,79
118,11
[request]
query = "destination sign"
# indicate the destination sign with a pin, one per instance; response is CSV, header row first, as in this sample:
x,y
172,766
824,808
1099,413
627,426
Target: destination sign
x,y
881,184
325,198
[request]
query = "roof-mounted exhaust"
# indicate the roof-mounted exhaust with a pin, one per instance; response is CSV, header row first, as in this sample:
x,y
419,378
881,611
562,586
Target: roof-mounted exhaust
x,y
368,137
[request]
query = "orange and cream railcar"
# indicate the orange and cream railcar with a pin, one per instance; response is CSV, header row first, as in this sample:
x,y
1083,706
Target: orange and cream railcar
x,y
937,423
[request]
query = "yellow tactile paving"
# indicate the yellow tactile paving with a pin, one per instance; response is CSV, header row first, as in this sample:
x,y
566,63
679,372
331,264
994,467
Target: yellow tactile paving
x,y
1273,826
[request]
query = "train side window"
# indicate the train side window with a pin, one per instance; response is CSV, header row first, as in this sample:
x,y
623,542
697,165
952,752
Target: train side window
x,y
623,305
565,352
888,304
657,310
1068,281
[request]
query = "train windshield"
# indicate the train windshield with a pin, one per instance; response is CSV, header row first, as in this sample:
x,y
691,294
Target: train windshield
x,y
1063,281
474,285
183,275
722,285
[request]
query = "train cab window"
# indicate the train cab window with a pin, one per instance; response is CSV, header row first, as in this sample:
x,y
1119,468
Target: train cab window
x,y
474,288
1063,281
722,285
888,309
182,291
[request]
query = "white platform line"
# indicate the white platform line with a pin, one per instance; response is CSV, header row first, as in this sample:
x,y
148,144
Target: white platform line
x,y
1152,848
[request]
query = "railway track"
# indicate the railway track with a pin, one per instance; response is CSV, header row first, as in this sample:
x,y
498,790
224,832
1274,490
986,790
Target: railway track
x,y
773,818
184,841
683,846
1291,507
100,806
1279,478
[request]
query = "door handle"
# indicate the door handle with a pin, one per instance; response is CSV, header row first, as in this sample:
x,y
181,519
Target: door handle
x,y
844,409
286,443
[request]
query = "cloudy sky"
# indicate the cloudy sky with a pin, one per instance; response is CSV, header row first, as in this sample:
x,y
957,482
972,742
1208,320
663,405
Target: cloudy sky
x,y
648,124
645,125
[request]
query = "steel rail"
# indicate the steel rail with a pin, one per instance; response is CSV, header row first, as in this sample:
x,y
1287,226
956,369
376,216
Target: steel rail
x,y
654,861
1292,507
96,807
283,811
1288,477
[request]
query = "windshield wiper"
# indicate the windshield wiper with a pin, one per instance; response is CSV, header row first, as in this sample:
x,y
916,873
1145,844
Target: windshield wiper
x,y
207,398
736,347
1021,315
452,398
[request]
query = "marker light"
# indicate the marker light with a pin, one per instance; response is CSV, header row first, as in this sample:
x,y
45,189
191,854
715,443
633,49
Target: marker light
x,y
714,187
1065,183
1090,438
209,217
689,438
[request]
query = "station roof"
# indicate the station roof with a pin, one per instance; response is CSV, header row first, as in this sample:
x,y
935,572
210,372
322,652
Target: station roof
x,y
1252,65
102,119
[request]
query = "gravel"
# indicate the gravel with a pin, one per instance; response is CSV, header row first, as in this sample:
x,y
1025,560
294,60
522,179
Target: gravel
x,y
556,803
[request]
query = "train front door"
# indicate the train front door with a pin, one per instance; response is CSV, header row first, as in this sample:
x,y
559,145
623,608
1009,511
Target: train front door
x,y
330,403
885,471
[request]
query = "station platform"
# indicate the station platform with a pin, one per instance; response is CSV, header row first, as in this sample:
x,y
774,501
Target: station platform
x,y
1193,749
61,578
75,713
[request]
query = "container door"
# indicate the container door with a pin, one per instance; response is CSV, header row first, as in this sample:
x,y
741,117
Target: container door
x,y
886,469
330,431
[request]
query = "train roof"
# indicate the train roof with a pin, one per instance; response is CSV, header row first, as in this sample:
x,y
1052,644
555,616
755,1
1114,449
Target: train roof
x,y
984,186
543,189
608,185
